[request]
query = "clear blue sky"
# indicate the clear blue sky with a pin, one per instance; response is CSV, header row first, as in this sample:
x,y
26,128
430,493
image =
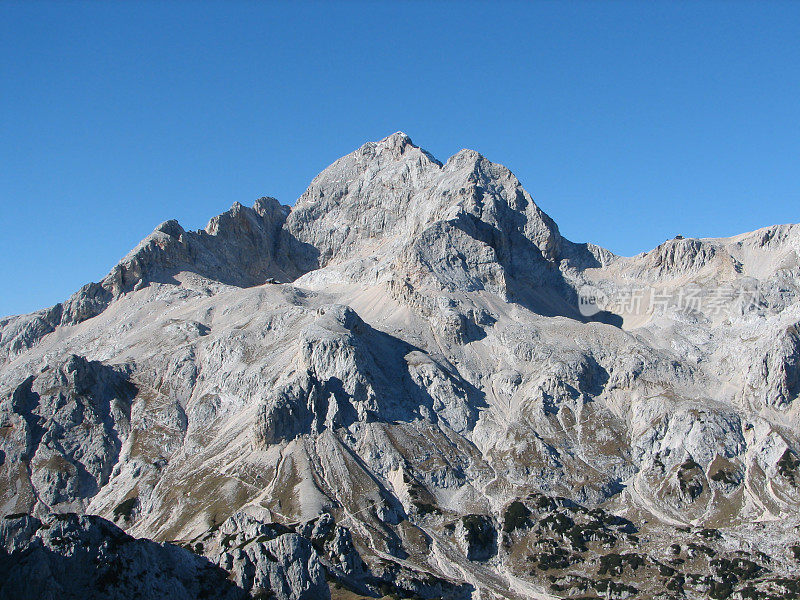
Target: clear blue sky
x,y
628,122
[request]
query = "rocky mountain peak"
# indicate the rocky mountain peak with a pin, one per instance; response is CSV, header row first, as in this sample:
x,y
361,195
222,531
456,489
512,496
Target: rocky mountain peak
x,y
371,209
382,199
393,146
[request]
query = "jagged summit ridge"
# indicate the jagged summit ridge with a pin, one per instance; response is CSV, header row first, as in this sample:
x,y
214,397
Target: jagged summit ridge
x,y
386,189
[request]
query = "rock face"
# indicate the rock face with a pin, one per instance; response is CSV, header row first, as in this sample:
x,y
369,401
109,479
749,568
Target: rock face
x,y
63,433
70,556
409,384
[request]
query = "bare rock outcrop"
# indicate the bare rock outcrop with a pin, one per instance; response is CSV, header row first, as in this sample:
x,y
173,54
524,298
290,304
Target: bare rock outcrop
x,y
71,557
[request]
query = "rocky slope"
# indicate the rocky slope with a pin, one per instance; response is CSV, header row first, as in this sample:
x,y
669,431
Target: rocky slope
x,y
409,384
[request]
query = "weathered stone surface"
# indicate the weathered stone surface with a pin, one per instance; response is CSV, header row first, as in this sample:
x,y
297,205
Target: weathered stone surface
x,y
85,557
324,394
64,429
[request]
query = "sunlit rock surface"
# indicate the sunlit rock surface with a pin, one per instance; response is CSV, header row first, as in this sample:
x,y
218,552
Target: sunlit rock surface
x,y
409,384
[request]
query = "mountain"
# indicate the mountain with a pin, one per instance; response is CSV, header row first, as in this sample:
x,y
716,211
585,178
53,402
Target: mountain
x,y
410,384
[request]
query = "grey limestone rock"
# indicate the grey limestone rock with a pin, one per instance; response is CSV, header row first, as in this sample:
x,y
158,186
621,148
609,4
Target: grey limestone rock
x,y
410,383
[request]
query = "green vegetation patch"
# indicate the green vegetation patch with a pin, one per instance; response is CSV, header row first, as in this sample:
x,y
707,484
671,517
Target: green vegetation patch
x,y
125,508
